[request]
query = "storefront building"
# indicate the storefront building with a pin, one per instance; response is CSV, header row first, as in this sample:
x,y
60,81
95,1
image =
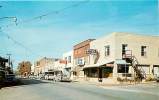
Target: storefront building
x,y
80,58
123,55
68,69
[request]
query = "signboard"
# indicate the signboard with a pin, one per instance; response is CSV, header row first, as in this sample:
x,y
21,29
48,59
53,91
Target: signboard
x,y
91,51
63,62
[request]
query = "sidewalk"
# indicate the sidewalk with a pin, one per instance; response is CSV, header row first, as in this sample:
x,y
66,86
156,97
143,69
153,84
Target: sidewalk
x,y
144,88
119,84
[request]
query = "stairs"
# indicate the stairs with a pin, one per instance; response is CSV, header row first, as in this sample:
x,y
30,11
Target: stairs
x,y
139,72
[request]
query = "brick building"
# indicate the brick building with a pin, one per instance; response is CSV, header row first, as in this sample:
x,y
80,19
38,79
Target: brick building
x,y
80,57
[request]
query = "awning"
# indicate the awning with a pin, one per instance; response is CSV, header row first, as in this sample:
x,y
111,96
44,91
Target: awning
x,y
91,66
98,65
120,61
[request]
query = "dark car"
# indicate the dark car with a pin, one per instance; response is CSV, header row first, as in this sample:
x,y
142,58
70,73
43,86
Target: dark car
x,y
10,78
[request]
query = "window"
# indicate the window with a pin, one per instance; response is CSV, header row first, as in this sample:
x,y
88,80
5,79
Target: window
x,y
155,70
79,61
123,68
107,50
91,72
145,68
143,50
124,48
69,59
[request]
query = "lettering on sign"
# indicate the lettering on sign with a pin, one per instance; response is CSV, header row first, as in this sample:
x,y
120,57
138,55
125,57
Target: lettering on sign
x,y
91,51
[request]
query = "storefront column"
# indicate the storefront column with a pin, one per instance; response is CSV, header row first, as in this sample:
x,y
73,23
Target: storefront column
x,y
115,73
151,70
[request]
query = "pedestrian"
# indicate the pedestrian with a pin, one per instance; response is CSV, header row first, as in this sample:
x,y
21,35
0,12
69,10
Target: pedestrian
x,y
54,78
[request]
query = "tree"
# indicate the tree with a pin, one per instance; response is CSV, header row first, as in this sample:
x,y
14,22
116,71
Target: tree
x,y
24,68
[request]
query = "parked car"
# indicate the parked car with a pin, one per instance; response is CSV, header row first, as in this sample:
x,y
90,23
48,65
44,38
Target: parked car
x,y
65,78
51,77
10,78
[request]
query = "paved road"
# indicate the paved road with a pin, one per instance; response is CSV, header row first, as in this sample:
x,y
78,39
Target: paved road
x,y
36,90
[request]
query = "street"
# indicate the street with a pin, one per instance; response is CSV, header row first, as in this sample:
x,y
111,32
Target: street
x,y
47,90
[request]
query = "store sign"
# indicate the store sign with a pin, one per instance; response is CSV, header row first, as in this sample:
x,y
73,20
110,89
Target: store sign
x,y
63,62
91,51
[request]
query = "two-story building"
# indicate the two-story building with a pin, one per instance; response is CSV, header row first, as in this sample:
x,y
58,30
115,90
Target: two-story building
x,y
80,57
3,66
43,65
68,57
123,55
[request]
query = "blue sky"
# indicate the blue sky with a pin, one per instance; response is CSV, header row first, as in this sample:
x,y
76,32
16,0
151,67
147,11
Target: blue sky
x,y
55,34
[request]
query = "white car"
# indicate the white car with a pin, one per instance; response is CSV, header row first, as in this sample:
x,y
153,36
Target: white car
x,y
51,77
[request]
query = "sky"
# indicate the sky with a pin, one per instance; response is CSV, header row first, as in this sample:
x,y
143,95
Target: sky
x,y
65,24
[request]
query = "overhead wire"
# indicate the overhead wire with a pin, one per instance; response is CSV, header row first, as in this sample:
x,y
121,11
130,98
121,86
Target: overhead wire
x,y
46,14
35,18
18,43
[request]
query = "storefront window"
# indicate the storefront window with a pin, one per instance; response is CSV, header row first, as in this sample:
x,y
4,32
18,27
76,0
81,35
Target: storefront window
x,y
123,68
92,72
107,72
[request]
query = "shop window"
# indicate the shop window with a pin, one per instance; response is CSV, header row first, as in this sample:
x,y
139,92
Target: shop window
x,y
155,70
123,68
145,68
107,72
92,72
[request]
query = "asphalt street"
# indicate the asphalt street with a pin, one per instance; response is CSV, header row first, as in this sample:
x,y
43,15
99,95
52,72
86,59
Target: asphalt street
x,y
40,90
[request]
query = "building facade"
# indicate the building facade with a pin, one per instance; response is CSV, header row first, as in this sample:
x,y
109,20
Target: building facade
x,y
44,65
80,57
123,55
3,66
68,69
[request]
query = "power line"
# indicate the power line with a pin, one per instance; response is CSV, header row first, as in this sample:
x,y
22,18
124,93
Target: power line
x,y
35,18
47,14
18,43
14,19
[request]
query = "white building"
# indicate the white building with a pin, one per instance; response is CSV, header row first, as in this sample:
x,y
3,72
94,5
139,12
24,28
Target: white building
x,y
123,55
68,57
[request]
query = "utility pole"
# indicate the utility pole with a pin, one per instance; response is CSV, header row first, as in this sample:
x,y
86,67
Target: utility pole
x,y
9,61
